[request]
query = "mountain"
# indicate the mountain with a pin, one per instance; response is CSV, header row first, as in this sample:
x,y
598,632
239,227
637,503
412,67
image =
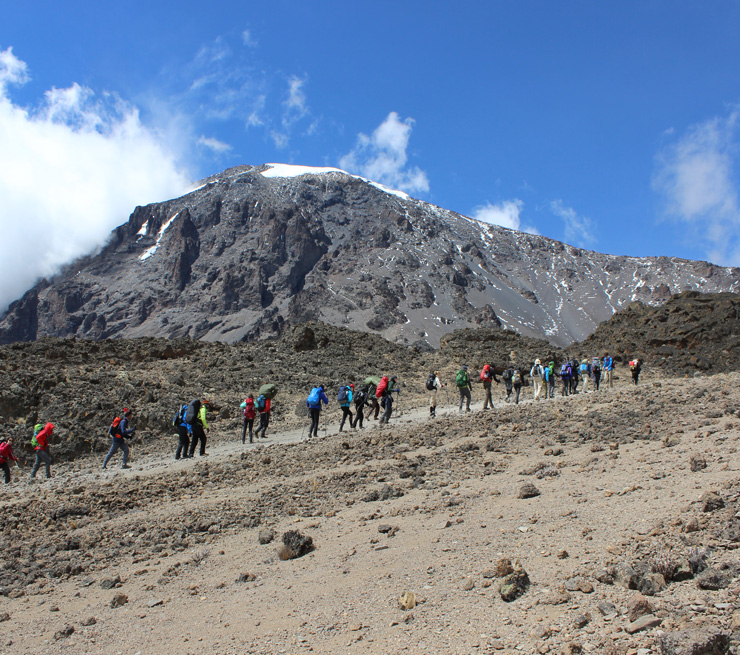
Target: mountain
x,y
257,247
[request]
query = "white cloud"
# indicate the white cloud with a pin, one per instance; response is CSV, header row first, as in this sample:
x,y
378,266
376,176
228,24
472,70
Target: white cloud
x,y
696,175
382,156
579,230
71,170
219,147
505,214
248,39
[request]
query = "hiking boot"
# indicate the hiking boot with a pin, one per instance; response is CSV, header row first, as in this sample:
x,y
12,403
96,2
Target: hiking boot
x,y
125,466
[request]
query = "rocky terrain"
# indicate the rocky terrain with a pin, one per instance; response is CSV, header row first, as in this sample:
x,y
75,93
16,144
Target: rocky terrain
x,y
600,523
604,523
259,247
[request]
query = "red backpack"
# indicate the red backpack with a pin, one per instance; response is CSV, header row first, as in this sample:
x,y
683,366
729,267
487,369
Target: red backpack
x,y
485,374
249,411
382,386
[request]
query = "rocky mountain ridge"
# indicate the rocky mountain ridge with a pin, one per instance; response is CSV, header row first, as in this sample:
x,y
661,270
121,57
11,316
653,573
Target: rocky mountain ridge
x,y
259,247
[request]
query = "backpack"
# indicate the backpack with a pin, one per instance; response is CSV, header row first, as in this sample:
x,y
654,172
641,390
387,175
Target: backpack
x,y
517,377
382,386
430,382
506,375
114,430
633,364
192,412
314,397
36,429
360,397
260,403
248,406
485,374
179,416
584,369
595,367
343,395
461,379
565,371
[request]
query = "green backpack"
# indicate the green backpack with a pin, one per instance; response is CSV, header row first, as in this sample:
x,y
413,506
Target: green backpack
x,y
461,379
36,429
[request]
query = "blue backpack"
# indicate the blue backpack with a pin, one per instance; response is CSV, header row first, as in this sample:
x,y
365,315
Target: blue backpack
x,y
260,403
343,395
315,396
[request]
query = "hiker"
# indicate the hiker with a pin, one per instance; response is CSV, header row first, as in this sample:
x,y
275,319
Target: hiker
x,y
434,384
487,376
537,373
119,431
263,405
608,370
635,368
344,398
374,404
508,384
596,372
6,453
462,381
42,450
183,433
549,379
573,376
360,399
196,418
250,413
313,402
584,369
516,381
565,376
386,400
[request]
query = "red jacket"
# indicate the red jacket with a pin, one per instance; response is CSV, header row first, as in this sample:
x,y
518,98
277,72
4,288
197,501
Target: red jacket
x,y
249,411
268,405
6,452
43,437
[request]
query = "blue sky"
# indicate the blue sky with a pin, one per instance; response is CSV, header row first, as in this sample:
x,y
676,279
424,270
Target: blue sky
x,y
611,126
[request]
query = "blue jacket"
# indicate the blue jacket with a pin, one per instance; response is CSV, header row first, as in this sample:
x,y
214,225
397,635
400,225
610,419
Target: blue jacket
x,y
322,398
350,395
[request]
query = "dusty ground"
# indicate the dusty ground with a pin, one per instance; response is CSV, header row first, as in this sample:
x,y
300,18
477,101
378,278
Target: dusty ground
x,y
428,507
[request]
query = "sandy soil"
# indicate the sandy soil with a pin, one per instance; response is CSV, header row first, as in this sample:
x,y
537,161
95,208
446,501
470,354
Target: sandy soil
x,y
420,506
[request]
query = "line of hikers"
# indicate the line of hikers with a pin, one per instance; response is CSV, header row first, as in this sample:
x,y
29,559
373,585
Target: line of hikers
x,y
592,372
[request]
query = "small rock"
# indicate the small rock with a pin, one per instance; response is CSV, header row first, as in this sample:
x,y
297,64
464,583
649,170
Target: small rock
x,y
155,602
643,623
502,567
706,641
246,577
66,631
697,463
652,584
4,616
626,576
119,600
295,545
712,580
608,610
692,525
90,620
563,554
581,621
711,501
109,583
528,491
638,606
407,601
579,583
468,584
266,535
514,585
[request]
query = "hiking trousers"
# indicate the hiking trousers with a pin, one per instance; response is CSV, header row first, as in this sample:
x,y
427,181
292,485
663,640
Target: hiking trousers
x,y
433,398
117,443
374,407
566,388
315,413
537,382
488,400
248,425
517,390
262,427
345,413
359,416
199,434
607,375
183,443
388,409
464,396
6,469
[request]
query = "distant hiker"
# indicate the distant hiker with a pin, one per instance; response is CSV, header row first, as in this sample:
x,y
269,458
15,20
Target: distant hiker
x,y
549,379
434,384
372,383
183,433
537,373
516,381
462,382
263,404
574,366
249,413
314,400
195,417
565,376
584,370
344,398
508,384
360,400
119,431
635,368
487,377
596,372
40,443
6,453
386,400
608,370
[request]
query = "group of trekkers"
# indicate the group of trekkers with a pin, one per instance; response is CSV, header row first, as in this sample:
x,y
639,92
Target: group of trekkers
x,y
191,423
592,372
